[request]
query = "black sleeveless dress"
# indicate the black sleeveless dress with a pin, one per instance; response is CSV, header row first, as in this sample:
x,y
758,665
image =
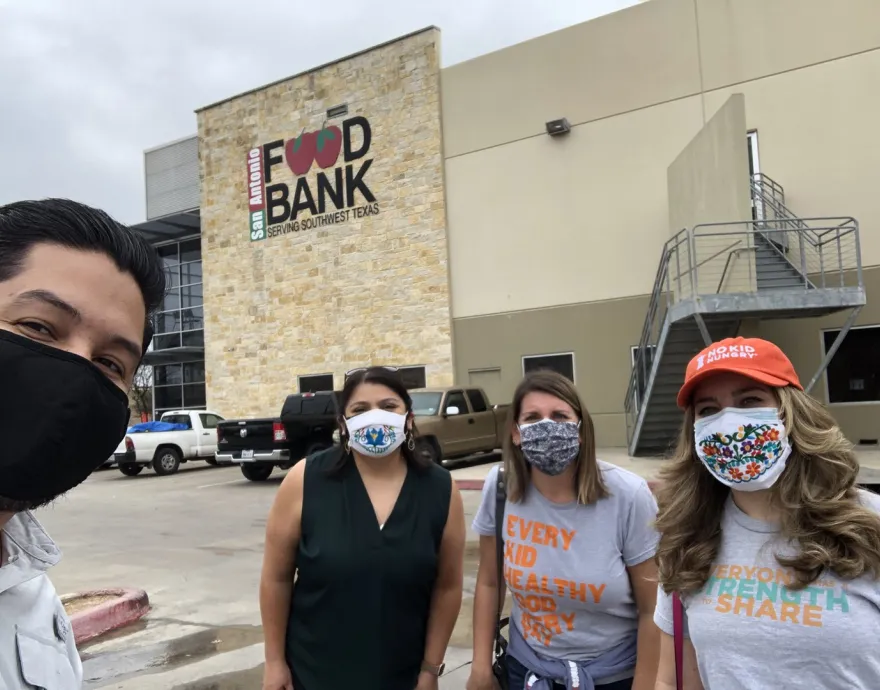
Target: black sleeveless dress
x,y
360,604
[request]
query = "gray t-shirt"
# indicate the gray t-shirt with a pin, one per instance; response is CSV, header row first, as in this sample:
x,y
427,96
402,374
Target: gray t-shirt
x,y
565,564
750,631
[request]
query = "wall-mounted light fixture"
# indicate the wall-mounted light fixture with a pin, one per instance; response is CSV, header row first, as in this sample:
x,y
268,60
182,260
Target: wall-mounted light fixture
x,y
557,127
337,111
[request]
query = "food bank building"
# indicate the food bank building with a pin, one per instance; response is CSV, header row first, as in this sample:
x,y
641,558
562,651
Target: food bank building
x,y
599,201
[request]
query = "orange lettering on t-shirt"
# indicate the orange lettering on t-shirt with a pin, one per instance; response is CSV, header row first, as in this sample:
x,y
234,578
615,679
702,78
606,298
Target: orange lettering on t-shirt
x,y
539,533
578,590
509,551
767,609
567,536
561,586
551,622
735,572
741,605
552,536
515,578
532,583
525,528
813,616
790,612
512,520
725,603
597,592
721,572
568,619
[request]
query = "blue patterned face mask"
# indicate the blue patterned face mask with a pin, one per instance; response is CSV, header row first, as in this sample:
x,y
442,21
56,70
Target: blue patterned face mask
x,y
550,447
743,448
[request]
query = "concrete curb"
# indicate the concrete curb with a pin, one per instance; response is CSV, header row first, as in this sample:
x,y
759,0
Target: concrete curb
x,y
477,484
128,606
469,484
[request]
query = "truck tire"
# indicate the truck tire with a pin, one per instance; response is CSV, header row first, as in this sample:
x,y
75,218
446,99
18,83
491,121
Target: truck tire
x,y
256,473
131,470
166,461
212,462
430,449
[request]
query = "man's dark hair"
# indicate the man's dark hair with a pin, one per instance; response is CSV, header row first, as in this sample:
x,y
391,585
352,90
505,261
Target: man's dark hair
x,y
25,224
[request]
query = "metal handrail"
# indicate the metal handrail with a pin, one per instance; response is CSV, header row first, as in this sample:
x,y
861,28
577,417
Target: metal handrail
x,y
826,248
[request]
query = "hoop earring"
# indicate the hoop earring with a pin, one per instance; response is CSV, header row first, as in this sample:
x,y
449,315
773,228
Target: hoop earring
x,y
411,443
347,446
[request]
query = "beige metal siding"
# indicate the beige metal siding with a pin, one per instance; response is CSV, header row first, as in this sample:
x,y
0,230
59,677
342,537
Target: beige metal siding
x,y
172,178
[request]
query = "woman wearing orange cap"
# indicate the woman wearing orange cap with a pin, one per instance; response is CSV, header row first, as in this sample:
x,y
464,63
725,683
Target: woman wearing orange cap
x,y
772,551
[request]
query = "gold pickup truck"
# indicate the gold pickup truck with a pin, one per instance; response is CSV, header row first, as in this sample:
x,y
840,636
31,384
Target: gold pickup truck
x,y
457,422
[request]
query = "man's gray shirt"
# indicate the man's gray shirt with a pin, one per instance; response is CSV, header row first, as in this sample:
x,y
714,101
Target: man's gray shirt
x,y
37,648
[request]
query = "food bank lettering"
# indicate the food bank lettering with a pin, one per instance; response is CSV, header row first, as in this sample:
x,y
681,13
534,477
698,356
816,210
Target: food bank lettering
x,y
763,593
542,598
337,192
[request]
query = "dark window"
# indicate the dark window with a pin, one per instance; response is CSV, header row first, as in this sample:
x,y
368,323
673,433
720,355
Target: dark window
x,y
194,372
478,401
163,342
165,374
169,254
854,373
191,296
194,395
456,399
168,396
413,377
192,319
194,338
191,273
316,383
191,250
172,300
561,364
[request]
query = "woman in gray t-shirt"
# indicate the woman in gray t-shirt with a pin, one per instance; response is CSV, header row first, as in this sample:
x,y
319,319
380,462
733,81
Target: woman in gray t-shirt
x,y
578,548
773,552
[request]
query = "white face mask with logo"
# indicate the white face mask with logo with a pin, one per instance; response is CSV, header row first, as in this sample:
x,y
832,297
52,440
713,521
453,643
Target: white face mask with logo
x,y
376,433
743,448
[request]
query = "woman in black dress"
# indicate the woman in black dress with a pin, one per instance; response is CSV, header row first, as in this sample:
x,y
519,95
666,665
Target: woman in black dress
x,y
362,573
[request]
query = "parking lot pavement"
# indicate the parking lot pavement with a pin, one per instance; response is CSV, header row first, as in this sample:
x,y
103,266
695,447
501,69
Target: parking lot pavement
x,y
194,542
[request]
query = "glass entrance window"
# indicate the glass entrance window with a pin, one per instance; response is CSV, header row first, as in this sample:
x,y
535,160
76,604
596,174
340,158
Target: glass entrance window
x,y
178,387
181,320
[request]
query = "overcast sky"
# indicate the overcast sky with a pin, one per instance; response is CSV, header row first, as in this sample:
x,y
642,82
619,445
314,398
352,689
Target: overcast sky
x,y
87,85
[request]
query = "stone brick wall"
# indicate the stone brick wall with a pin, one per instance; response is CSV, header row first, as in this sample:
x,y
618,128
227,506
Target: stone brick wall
x,y
366,290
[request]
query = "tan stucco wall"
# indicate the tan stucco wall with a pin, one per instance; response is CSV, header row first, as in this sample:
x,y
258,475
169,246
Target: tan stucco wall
x,y
585,216
368,290
818,137
709,183
600,335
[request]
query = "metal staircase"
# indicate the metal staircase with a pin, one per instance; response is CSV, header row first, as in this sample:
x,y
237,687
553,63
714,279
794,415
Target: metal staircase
x,y
713,276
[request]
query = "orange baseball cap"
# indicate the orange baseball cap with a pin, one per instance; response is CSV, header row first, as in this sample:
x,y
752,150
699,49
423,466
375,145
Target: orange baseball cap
x,y
758,359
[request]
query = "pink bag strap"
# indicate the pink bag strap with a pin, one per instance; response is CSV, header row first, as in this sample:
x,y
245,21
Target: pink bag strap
x,y
678,637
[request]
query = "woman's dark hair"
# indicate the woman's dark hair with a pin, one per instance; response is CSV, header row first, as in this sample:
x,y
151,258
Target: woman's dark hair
x,y
380,376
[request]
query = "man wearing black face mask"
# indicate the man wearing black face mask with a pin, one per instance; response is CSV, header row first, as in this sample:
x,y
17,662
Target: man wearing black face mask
x,y
76,292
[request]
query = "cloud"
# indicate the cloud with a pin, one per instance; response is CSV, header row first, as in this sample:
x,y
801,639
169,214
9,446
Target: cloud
x,y
88,85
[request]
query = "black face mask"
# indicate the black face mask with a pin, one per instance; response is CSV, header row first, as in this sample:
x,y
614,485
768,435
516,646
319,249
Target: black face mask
x,y
60,419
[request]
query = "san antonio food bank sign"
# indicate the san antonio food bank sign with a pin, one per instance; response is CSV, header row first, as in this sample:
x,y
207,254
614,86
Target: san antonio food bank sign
x,y
337,193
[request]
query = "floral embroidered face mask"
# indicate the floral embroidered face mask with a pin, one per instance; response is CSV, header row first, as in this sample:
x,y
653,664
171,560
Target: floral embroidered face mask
x,y
744,448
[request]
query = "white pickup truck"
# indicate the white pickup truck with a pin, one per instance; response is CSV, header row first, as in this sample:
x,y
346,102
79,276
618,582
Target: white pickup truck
x,y
165,450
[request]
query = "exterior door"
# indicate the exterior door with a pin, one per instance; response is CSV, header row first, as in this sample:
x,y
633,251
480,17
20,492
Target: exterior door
x,y
461,427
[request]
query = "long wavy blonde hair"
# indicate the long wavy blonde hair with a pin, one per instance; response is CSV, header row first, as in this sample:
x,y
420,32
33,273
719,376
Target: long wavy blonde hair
x,y
816,496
